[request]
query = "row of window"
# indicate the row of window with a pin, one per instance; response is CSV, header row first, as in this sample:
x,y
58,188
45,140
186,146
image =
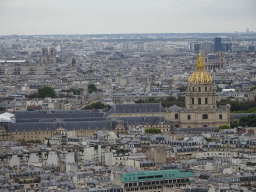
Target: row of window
x,y
199,89
204,116
157,182
200,101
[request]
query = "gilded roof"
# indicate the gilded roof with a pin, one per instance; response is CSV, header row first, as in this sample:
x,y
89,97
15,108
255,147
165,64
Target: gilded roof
x,y
200,76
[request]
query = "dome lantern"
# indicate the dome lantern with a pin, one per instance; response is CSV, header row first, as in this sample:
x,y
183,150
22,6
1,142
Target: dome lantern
x,y
200,76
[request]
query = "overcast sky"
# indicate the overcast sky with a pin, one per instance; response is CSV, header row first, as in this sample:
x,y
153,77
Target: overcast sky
x,y
39,17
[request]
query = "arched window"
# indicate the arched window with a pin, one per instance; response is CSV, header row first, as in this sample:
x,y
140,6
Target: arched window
x,y
205,116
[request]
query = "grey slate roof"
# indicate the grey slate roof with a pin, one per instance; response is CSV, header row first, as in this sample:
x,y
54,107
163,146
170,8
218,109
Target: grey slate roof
x,y
61,119
138,108
238,115
53,115
141,120
72,125
174,108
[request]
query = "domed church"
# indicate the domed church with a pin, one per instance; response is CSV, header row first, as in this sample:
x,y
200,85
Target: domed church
x,y
200,100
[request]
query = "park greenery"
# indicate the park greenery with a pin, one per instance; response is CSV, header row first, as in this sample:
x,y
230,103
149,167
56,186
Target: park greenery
x,y
97,105
153,130
249,121
218,89
182,89
168,102
89,71
239,107
31,141
91,88
75,91
252,88
250,164
48,143
222,127
46,91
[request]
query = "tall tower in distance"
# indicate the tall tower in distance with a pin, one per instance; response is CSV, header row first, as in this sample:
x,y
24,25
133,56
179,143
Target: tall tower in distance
x,y
217,44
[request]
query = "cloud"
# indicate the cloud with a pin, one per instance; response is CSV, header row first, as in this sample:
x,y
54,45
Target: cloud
x,y
123,16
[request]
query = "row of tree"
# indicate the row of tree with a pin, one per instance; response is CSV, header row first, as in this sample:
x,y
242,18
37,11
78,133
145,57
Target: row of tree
x,y
47,91
153,130
97,105
239,107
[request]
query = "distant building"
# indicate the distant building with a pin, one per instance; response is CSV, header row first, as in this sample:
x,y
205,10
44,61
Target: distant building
x,y
251,48
227,46
48,57
155,180
208,46
194,46
213,62
217,44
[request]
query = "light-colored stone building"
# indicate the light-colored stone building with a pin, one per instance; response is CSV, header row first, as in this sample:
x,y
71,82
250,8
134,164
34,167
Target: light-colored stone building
x,y
200,108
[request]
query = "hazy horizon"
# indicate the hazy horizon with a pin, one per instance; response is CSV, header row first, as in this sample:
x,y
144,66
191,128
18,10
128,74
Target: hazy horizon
x,y
82,17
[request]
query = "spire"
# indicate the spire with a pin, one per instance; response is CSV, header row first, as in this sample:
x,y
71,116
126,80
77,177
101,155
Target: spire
x,y
200,62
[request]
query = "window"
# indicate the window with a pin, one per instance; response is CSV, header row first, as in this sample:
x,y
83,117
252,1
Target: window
x,y
220,116
199,89
199,101
188,117
176,116
205,125
176,126
192,101
206,101
205,89
205,116
193,89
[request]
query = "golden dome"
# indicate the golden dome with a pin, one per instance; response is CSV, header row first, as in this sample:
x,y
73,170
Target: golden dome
x,y
200,76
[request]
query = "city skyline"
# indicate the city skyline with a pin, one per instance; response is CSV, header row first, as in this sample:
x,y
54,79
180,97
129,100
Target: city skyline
x,y
27,17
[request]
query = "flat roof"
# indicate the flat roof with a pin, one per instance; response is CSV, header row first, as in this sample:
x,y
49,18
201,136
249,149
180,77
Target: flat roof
x,y
15,61
155,175
12,61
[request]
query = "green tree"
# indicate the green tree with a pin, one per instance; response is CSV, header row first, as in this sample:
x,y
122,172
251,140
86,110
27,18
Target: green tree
x,y
48,143
222,127
252,88
2,108
151,100
234,124
97,105
91,88
218,89
182,89
22,140
46,92
32,95
152,130
139,101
